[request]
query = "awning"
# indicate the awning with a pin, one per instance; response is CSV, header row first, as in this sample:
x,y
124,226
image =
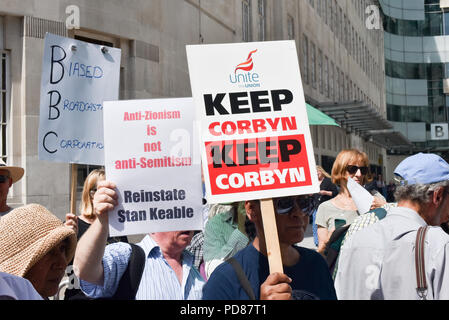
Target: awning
x,y
389,139
364,120
316,117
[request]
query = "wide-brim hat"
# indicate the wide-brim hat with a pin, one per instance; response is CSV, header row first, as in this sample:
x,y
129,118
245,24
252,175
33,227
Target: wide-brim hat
x,y
27,234
16,173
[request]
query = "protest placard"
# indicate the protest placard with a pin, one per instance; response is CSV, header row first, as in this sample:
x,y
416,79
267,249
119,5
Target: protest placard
x,y
152,155
255,137
256,141
76,78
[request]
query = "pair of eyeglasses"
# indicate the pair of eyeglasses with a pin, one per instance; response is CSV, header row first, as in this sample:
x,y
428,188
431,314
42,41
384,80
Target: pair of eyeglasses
x,y
353,169
3,178
285,205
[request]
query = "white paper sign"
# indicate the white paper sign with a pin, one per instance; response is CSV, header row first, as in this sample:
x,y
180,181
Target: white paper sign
x,y
362,198
256,141
151,154
76,78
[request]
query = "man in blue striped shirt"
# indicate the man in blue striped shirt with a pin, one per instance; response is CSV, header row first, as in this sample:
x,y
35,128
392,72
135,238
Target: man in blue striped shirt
x,y
168,274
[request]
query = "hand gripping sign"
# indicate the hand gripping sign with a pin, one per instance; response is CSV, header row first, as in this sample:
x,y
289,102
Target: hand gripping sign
x,y
255,137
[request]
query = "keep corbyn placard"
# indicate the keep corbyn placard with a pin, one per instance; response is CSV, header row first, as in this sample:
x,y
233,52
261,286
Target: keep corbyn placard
x,y
255,137
150,154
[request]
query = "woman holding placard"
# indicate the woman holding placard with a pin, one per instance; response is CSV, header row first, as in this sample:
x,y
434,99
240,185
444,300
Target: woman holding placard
x,y
342,210
85,219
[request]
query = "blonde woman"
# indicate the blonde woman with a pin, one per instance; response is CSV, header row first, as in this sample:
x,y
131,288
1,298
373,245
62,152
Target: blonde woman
x,y
342,210
85,219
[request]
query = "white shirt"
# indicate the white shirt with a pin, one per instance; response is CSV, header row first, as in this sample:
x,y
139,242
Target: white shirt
x,y
16,288
378,262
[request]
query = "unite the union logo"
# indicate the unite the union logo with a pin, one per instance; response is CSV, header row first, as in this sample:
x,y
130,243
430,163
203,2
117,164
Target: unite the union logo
x,y
245,78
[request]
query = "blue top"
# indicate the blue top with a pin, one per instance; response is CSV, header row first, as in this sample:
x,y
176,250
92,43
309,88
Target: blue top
x,y
310,274
159,281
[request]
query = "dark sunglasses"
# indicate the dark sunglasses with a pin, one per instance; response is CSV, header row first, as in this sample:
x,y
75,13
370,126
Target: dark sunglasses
x,y
285,205
353,169
3,178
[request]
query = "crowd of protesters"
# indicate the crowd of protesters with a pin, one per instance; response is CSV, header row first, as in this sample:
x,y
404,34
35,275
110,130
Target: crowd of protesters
x,y
228,259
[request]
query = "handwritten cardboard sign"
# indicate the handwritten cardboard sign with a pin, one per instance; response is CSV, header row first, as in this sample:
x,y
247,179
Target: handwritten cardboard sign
x,y
76,78
256,141
151,154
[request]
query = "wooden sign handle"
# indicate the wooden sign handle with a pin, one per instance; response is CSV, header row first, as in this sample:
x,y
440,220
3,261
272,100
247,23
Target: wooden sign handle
x,y
73,179
271,236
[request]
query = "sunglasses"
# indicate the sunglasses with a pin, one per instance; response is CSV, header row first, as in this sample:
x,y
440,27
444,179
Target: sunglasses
x,y
353,169
3,178
285,205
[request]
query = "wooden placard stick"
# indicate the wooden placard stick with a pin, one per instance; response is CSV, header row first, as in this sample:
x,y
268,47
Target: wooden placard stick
x,y
271,236
73,179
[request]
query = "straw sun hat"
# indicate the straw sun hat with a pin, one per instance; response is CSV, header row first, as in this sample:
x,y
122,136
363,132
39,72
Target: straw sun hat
x,y
27,234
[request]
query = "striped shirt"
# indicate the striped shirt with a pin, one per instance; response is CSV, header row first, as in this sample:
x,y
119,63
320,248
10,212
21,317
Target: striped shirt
x,y
159,281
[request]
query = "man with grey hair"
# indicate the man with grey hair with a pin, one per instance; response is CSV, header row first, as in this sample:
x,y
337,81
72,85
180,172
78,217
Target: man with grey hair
x,y
378,262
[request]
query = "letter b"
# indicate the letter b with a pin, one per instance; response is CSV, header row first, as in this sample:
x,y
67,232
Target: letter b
x,y
54,61
53,106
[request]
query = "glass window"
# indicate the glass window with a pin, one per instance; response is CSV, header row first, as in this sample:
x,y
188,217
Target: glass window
x,y
320,71
4,103
290,27
305,59
246,20
331,81
326,77
261,6
313,64
446,23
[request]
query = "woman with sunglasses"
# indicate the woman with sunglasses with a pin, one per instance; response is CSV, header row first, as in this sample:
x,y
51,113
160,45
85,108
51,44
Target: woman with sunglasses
x,y
306,275
341,210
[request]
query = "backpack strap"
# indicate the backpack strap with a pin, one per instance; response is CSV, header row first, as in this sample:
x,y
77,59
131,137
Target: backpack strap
x,y
129,283
421,284
242,277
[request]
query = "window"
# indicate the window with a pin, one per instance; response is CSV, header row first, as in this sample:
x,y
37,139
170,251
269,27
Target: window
x,y
320,71
337,84
4,103
331,81
305,59
261,5
290,27
312,64
326,77
246,20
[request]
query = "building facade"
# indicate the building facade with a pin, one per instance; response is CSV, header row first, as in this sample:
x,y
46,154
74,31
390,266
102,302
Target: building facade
x,y
416,72
342,66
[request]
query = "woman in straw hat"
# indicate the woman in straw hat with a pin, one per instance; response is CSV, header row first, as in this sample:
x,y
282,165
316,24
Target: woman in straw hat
x,y
36,245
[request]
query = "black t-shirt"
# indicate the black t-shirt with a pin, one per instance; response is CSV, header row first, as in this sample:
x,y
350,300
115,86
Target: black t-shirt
x,y
310,275
77,294
326,185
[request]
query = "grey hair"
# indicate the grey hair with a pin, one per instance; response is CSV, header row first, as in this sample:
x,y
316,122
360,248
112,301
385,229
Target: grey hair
x,y
420,193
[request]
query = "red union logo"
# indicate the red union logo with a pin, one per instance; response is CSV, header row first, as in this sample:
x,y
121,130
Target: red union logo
x,y
247,65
